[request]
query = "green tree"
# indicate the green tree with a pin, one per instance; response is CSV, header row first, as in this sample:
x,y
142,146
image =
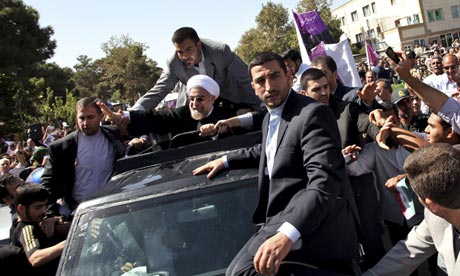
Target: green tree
x,y
323,8
274,32
23,45
86,77
125,69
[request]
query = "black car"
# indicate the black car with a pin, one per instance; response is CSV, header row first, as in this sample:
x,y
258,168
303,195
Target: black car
x,y
155,218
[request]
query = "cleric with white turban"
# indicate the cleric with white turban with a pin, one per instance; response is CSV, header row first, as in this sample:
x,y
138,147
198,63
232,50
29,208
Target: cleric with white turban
x,y
205,82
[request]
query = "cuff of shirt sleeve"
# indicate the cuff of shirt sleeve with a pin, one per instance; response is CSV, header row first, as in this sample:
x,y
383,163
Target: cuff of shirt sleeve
x,y
126,115
290,231
224,158
246,120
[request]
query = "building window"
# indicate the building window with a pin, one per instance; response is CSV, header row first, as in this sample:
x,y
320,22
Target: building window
x,y
373,7
407,48
455,11
371,34
359,37
435,15
416,19
342,20
354,16
421,42
446,40
366,11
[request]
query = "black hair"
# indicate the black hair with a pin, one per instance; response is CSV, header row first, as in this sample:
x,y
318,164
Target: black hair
x,y
89,101
326,60
291,54
310,74
29,193
263,57
184,33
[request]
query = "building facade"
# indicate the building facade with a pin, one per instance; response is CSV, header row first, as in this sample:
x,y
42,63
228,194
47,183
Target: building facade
x,y
401,24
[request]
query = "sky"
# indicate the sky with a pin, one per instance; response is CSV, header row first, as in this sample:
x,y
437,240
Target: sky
x,y
81,27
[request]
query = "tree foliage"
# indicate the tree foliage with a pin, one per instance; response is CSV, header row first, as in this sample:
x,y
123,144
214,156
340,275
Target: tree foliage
x,y
126,69
23,46
274,32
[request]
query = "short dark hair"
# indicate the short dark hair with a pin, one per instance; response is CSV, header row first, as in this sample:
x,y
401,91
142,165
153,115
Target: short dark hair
x,y
29,193
263,57
310,74
291,54
386,84
184,33
330,62
89,101
433,172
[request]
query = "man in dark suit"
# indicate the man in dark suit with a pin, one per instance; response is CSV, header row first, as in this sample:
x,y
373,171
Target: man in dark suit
x,y
305,206
80,163
206,57
202,91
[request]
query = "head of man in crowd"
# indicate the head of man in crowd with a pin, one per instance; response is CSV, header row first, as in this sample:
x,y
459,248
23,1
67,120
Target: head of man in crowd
x,y
416,101
188,46
370,76
450,66
384,90
292,59
89,116
402,102
440,131
30,143
202,92
329,68
5,164
436,65
8,186
315,85
434,175
270,78
31,202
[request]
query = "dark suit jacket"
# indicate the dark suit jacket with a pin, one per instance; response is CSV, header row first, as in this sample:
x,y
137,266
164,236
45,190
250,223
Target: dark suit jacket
x,y
58,176
221,64
308,187
175,121
352,122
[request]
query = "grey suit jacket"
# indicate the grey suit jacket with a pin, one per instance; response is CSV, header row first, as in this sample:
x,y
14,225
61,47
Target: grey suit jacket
x,y
221,64
308,186
434,234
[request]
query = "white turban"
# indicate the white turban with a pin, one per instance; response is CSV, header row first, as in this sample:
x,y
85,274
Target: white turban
x,y
205,82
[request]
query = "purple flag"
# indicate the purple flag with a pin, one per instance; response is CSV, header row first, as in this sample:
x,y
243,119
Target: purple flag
x,y
319,50
372,56
312,29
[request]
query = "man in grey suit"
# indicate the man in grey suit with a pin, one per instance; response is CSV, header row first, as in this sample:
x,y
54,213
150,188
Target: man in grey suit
x,y
305,208
433,172
195,56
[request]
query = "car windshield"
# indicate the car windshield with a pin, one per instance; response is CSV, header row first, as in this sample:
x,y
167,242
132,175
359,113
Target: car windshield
x,y
197,232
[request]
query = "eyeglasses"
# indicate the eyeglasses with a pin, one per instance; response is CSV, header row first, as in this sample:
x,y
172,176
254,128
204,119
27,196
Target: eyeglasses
x,y
452,67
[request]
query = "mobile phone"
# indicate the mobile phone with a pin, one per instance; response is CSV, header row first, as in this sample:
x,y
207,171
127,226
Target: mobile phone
x,y
391,54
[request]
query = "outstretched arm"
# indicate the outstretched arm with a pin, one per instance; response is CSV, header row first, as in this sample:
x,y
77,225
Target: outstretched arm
x,y
434,98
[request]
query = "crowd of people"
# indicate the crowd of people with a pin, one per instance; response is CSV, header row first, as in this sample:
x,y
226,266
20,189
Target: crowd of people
x,y
335,163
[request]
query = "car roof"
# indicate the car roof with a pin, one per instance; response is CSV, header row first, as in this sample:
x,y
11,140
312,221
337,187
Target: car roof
x,y
170,171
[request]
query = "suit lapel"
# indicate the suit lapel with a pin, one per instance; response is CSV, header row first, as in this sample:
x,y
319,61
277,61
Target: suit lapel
x,y
286,117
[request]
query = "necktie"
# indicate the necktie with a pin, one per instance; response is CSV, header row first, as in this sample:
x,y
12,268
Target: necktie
x,y
270,146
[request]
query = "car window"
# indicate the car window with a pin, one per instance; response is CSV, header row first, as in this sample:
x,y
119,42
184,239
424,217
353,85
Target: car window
x,y
189,233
